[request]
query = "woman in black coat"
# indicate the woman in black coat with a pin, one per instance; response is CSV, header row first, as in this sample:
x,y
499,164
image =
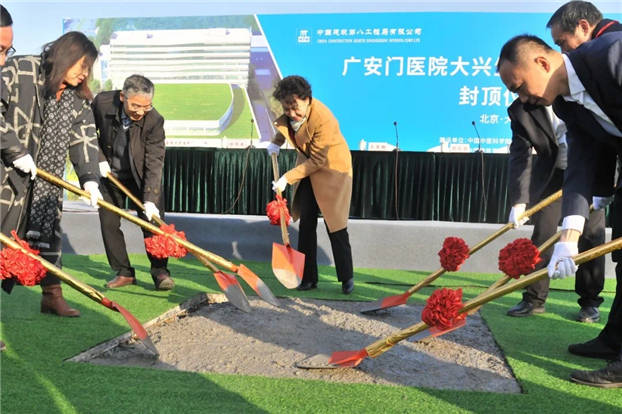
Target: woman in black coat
x,y
47,114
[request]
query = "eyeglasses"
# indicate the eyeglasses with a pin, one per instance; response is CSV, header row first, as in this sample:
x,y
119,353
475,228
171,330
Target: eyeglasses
x,y
135,107
9,52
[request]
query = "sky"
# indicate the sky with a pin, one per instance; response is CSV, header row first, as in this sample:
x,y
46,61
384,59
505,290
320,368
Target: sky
x,y
39,22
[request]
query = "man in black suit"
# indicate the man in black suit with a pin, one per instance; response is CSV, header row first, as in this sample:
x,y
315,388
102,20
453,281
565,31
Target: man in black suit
x,y
586,85
131,141
530,180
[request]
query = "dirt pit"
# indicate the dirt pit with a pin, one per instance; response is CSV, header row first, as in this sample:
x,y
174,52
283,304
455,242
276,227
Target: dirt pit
x,y
205,336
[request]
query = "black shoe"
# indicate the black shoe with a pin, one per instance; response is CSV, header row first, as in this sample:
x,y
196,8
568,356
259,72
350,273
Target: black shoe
x,y
608,377
347,286
307,286
163,282
588,314
524,308
596,348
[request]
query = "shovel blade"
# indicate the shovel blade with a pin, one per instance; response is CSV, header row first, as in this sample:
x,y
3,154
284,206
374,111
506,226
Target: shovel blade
x,y
139,330
232,290
433,332
319,361
287,265
348,358
258,285
386,303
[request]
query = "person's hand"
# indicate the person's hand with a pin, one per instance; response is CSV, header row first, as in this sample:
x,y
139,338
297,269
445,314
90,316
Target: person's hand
x,y
93,188
273,149
600,203
561,264
516,211
151,210
27,165
104,169
279,186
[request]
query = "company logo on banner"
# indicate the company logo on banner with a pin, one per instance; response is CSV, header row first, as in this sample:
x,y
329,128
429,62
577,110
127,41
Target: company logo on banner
x,y
433,74
303,37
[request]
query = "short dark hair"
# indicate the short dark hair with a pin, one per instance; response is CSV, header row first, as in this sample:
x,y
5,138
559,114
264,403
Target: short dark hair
x,y
568,16
60,55
137,85
512,49
5,17
292,85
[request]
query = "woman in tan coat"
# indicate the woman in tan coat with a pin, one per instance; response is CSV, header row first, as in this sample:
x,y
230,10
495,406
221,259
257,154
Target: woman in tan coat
x,y
323,175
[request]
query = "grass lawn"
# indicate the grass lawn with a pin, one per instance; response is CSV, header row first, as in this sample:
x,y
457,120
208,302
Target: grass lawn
x,y
206,102
240,124
34,377
192,101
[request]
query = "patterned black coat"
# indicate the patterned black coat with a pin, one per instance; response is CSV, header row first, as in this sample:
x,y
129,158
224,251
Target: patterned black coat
x,y
22,108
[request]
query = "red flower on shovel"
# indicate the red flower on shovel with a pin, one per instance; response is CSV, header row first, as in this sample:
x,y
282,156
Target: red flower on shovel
x,y
275,208
454,252
163,246
519,257
15,263
441,309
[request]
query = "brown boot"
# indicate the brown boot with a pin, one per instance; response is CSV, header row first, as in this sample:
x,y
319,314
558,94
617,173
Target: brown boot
x,y
53,302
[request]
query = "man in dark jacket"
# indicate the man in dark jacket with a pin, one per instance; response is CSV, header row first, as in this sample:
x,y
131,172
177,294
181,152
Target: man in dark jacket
x,y
586,85
530,180
131,141
577,22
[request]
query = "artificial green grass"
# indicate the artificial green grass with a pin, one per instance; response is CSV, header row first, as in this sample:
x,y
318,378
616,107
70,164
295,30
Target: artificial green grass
x,y
192,101
34,377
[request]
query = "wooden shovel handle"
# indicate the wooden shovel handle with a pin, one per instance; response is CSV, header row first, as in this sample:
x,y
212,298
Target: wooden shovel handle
x,y
158,220
384,344
528,213
436,274
275,171
131,196
194,249
62,275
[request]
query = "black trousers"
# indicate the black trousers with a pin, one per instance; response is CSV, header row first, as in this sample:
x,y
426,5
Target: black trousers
x,y
307,238
590,277
114,240
15,219
612,332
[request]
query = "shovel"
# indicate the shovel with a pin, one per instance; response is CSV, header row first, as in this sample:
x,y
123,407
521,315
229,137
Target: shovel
x,y
434,332
135,325
231,288
500,282
288,264
354,358
241,269
401,299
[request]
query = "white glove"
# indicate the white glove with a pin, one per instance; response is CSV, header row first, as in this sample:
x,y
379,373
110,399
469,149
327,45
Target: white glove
x,y
26,164
104,169
151,210
515,213
600,203
279,186
273,149
561,264
93,188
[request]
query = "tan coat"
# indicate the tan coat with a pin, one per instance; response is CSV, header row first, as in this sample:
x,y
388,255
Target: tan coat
x,y
324,157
